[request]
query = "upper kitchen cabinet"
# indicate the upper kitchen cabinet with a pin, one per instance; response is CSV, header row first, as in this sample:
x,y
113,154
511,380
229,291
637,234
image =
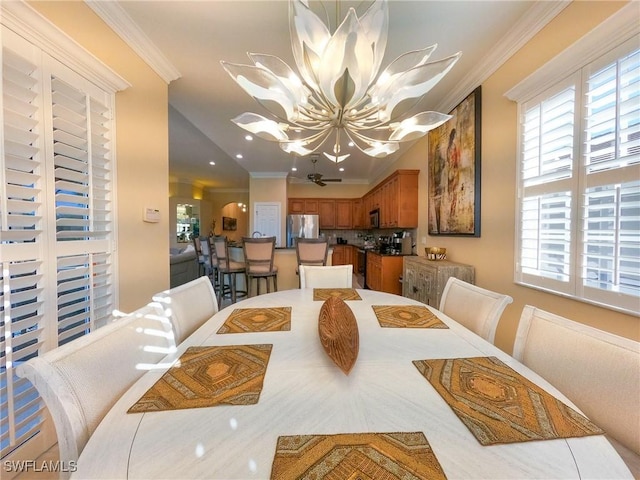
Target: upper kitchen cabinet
x,y
303,206
327,212
358,214
397,199
344,214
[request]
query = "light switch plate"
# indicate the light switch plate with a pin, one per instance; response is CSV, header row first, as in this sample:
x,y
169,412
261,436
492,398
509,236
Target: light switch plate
x,y
151,215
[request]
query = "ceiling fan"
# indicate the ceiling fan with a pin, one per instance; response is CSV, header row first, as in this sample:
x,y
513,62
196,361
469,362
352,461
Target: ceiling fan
x,y
317,177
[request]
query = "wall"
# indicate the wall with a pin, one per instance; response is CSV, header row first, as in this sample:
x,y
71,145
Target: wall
x,y
211,209
141,153
499,152
232,210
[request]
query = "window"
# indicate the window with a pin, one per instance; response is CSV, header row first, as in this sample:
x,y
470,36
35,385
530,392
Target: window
x,y
579,176
56,221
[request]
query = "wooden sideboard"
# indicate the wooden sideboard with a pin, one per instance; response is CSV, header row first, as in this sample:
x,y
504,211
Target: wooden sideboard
x,y
424,279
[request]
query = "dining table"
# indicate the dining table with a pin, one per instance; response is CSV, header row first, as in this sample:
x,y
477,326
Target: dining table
x,y
304,401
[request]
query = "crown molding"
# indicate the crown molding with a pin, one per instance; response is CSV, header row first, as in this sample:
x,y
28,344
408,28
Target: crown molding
x,y
226,190
534,20
618,28
268,174
123,25
22,19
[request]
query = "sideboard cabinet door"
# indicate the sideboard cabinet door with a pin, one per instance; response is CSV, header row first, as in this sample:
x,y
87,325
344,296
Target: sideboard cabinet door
x,y
424,280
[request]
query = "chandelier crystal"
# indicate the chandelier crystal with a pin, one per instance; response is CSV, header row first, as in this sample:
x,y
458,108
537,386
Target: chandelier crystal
x,y
337,91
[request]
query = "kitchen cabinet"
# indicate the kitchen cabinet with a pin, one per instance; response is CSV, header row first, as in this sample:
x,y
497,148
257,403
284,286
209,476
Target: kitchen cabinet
x,y
342,255
396,197
344,216
424,279
303,206
358,214
327,212
398,202
383,272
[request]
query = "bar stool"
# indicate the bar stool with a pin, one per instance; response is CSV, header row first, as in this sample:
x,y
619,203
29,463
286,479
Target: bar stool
x,y
210,260
258,257
228,270
311,251
197,245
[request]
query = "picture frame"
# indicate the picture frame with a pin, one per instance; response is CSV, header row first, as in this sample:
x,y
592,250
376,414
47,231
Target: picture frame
x,y
454,171
229,223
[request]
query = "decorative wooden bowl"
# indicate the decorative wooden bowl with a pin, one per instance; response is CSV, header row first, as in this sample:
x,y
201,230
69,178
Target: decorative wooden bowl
x,y
338,332
436,253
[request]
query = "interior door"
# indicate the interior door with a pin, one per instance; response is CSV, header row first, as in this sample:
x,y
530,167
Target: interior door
x,y
267,220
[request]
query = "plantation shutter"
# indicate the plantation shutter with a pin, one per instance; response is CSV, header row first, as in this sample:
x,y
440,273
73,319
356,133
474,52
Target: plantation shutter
x,y
547,182
81,146
579,177
611,239
21,232
56,223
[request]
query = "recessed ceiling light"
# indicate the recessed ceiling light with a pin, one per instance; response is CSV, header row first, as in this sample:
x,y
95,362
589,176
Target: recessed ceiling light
x,y
248,138
341,169
239,155
212,163
351,144
294,169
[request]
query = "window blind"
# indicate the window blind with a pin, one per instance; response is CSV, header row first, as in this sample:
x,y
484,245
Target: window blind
x,y
56,220
579,183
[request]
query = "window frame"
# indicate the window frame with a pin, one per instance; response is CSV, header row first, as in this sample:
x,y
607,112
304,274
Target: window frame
x,y
599,47
33,37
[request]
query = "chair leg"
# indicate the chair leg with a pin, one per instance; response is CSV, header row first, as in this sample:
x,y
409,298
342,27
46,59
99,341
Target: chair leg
x,y
220,284
275,283
233,288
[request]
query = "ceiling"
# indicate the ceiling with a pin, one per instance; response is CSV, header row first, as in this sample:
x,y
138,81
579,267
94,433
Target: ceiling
x,y
194,36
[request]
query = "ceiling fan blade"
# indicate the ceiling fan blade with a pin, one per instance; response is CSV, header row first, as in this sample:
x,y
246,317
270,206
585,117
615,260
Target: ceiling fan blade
x,y
320,182
331,179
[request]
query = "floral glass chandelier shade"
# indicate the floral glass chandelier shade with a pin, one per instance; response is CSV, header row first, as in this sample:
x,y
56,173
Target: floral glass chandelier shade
x,y
338,94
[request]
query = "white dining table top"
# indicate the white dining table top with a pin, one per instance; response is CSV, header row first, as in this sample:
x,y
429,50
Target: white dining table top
x,y
304,392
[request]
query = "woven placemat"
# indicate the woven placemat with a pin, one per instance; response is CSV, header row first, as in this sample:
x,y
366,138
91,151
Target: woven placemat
x,y
498,405
244,320
351,456
406,316
342,293
209,376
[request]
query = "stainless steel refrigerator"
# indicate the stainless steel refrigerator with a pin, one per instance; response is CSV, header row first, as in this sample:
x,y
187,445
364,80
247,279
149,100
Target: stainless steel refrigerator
x,y
301,226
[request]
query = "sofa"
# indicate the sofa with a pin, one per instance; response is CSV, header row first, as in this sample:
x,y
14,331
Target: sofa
x,y
183,267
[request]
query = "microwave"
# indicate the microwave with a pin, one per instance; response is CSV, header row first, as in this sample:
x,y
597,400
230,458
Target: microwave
x,y
374,218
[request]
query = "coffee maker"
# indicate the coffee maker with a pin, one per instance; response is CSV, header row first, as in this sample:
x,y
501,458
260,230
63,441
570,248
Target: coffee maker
x,y
385,245
396,243
401,243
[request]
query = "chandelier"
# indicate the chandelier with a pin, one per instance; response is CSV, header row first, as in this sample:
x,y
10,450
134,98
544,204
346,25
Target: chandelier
x,y
338,95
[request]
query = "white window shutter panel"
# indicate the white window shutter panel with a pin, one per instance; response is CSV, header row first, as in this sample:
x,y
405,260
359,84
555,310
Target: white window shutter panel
x,y
56,221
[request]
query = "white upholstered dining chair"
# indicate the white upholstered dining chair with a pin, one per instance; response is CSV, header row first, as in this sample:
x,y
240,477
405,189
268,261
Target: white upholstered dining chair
x,y
597,370
337,276
474,307
81,380
188,306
